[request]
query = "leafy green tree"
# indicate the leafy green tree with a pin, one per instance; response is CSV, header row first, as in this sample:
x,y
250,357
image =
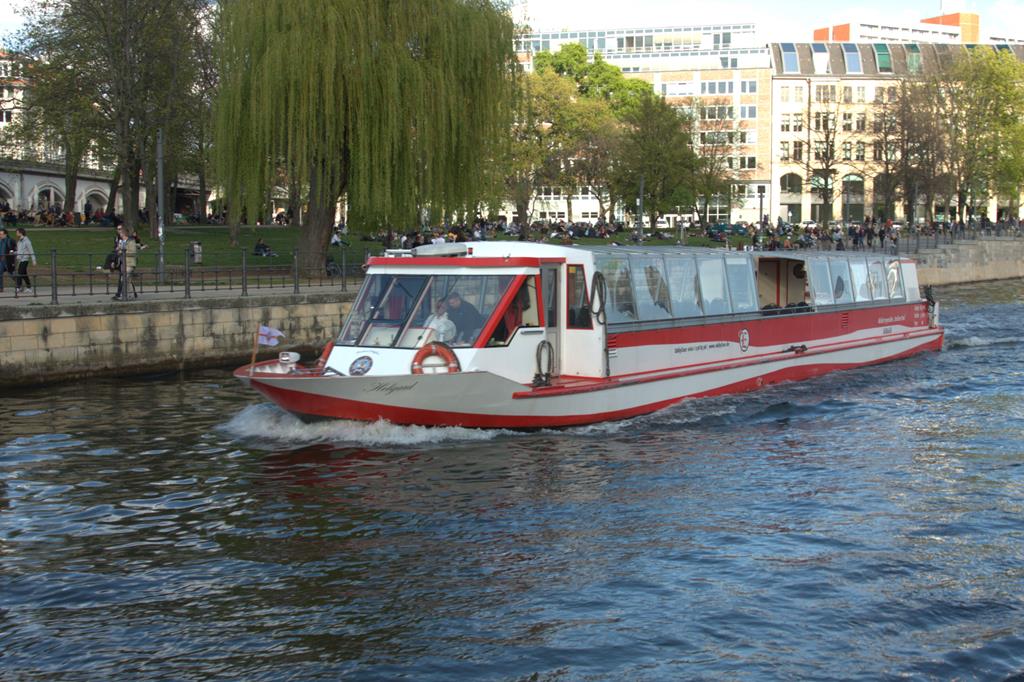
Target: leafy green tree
x,y
58,107
984,95
657,149
131,64
397,104
541,137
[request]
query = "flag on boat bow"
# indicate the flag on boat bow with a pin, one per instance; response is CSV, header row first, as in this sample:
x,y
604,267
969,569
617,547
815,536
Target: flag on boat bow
x,y
268,336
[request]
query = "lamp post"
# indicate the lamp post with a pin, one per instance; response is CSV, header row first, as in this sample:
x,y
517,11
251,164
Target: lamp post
x,y
760,206
160,200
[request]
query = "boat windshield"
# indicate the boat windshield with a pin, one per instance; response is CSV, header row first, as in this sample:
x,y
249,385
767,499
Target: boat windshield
x,y
407,311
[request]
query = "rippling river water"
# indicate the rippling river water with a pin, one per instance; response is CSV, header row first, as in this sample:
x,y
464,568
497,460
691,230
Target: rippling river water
x,y
868,524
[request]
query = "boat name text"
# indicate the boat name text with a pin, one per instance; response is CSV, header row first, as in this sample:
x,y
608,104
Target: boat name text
x,y
390,388
889,320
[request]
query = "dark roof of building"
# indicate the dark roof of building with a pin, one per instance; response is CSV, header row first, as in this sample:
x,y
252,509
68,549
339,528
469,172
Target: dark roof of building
x,y
932,58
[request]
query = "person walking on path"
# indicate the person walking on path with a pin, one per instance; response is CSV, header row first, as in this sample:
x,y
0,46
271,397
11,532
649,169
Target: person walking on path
x,y
7,249
127,256
23,255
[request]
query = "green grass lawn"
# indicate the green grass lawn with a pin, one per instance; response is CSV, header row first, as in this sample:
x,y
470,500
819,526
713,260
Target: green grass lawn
x,y
84,248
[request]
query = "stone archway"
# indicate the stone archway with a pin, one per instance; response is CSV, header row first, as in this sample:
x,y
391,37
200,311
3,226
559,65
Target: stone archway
x,y
7,196
45,196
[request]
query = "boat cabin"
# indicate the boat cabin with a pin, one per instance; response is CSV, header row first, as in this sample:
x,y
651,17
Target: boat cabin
x,y
524,310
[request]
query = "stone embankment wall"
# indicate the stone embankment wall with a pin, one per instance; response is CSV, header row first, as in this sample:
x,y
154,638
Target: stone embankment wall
x,y
976,261
44,343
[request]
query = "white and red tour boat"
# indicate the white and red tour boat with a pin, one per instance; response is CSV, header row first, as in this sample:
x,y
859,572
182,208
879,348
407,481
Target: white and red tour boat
x,y
522,336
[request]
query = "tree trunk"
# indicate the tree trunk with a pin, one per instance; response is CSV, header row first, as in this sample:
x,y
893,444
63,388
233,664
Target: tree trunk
x,y
523,209
316,233
151,195
71,167
131,193
200,205
568,207
115,183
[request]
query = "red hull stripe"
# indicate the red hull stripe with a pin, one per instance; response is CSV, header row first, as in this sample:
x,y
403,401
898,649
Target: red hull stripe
x,y
780,329
718,365
307,404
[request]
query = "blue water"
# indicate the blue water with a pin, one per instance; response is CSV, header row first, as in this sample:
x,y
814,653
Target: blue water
x,y
865,525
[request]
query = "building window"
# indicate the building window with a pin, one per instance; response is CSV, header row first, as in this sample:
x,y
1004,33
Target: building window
x,y
790,64
784,93
785,123
852,56
798,123
748,111
876,151
784,151
748,162
860,94
883,57
824,121
847,94
860,152
6,116
798,151
847,151
847,123
824,151
748,87
825,93
719,113
862,122
891,94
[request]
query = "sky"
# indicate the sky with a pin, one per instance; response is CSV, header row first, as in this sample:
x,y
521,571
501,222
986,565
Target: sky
x,y
789,20
778,20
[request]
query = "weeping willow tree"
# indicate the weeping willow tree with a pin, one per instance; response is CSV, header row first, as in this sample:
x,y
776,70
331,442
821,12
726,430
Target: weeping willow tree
x,y
395,104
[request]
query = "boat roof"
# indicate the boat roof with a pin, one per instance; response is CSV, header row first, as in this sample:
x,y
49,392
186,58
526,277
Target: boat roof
x,y
517,249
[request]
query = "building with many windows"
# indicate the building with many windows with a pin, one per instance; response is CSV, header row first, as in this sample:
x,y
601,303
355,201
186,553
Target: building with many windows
x,y
721,73
798,120
826,107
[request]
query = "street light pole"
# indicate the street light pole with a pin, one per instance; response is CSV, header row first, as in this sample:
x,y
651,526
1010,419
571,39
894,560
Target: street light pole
x,y
640,212
160,200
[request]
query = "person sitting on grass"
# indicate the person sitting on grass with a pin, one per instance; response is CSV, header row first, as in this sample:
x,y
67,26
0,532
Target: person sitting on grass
x,y
262,249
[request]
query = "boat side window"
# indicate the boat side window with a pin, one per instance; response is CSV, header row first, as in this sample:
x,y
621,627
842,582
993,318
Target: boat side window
x,y
577,298
879,287
682,286
895,278
363,309
650,288
713,289
471,300
620,306
821,281
521,311
384,313
842,289
741,284
859,275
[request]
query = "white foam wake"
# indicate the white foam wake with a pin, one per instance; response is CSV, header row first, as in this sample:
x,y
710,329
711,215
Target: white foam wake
x,y
271,425
978,341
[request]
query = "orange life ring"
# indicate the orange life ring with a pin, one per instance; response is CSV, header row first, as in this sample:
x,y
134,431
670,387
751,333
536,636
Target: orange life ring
x,y
438,349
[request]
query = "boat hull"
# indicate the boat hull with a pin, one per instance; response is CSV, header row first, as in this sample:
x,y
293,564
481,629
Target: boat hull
x,y
483,399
